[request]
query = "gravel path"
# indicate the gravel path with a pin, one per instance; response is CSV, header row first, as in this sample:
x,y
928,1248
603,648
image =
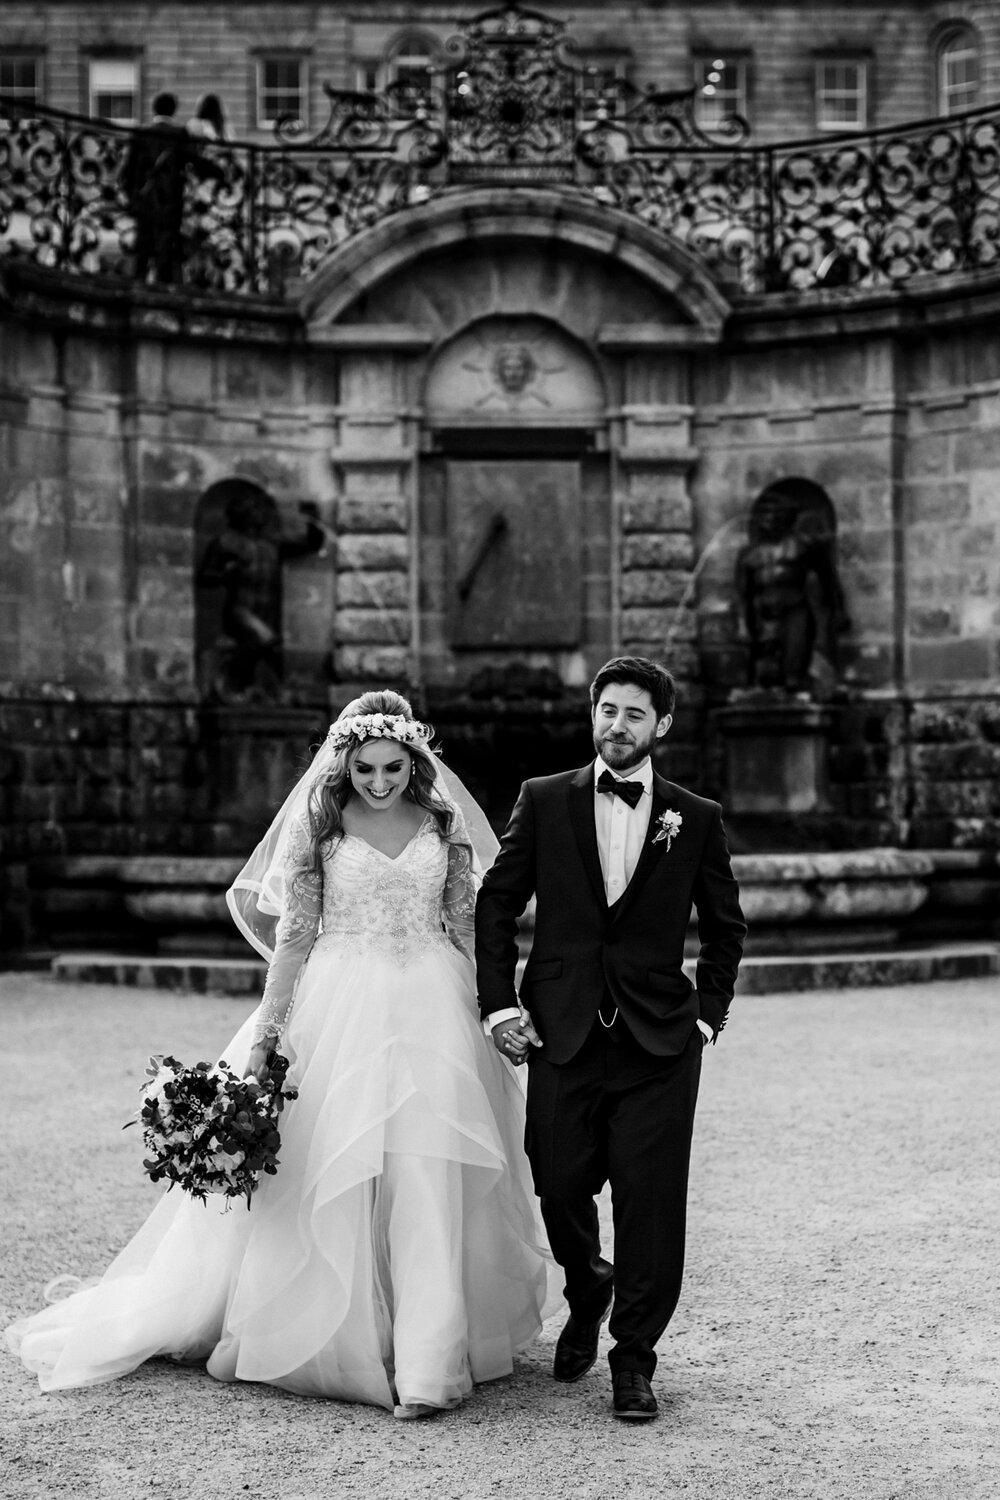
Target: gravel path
x,y
837,1336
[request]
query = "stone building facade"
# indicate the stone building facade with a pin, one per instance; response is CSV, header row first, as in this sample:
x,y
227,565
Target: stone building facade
x,y
794,67
531,432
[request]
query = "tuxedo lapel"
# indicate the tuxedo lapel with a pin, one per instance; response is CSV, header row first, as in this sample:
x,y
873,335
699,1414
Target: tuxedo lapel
x,y
581,813
651,851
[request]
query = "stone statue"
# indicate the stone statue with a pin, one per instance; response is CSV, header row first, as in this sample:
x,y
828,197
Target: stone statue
x,y
791,598
245,559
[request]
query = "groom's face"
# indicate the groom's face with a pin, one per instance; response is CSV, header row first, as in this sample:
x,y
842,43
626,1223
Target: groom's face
x,y
625,725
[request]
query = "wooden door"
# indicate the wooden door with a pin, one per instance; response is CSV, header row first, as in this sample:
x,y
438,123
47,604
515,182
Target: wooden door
x,y
513,553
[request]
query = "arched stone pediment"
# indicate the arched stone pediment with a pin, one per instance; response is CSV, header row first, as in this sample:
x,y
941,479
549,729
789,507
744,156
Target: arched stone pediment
x,y
540,215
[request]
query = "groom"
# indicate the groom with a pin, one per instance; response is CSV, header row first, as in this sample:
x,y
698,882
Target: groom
x,y
616,857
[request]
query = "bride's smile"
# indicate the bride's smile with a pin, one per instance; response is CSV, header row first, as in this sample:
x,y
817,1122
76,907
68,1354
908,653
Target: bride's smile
x,y
380,773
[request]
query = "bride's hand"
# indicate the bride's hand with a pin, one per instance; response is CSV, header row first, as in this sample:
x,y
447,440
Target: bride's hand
x,y
257,1062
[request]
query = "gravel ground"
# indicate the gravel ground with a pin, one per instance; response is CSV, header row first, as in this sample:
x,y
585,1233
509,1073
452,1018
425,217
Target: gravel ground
x,y
837,1336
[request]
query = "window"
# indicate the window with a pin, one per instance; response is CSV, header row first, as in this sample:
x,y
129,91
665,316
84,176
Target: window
x,y
114,89
412,62
841,94
958,72
602,79
721,89
281,91
367,77
21,78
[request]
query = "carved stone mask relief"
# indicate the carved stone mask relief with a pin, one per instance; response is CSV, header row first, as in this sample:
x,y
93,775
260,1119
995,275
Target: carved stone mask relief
x,y
514,367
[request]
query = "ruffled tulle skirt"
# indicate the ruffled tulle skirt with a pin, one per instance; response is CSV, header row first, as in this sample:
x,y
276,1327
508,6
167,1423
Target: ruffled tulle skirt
x,y
396,1257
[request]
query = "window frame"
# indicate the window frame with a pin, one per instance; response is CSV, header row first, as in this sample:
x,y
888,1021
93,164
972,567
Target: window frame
x,y
118,60
430,48
284,57
369,75
702,63
35,55
955,41
863,93
613,65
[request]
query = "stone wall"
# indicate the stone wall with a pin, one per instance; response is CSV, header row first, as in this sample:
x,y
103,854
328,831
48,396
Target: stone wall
x,y
954,765
118,414
902,431
108,441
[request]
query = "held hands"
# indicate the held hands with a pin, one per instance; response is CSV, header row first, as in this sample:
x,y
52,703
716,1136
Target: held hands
x,y
512,1039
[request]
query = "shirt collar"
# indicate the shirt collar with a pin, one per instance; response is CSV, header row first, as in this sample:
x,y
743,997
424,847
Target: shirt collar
x,y
643,774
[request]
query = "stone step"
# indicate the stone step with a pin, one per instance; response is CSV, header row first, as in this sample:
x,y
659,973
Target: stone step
x,y
764,975
195,975
771,974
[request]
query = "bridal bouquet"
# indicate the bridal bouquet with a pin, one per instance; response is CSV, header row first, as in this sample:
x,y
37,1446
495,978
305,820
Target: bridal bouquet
x,y
209,1130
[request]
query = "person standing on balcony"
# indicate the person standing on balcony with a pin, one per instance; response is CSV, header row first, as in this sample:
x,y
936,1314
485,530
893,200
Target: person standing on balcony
x,y
153,178
613,1034
207,127
208,123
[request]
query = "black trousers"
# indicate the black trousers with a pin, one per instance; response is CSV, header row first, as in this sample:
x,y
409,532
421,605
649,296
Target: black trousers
x,y
615,1113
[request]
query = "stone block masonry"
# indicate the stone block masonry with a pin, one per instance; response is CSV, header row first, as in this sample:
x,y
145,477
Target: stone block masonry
x,y
116,422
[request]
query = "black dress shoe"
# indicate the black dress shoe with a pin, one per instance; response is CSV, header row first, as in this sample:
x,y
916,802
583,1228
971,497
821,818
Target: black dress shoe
x,y
576,1348
633,1396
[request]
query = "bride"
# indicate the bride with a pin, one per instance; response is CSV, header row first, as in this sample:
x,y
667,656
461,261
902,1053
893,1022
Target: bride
x,y
397,1257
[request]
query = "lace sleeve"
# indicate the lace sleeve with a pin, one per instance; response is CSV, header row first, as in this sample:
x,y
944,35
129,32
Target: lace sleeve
x,y
296,932
460,900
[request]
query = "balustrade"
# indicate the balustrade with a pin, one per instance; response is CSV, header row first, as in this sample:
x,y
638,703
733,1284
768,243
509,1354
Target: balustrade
x,y
512,105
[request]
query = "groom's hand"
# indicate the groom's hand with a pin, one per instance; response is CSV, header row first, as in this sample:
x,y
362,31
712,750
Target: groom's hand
x,y
513,1038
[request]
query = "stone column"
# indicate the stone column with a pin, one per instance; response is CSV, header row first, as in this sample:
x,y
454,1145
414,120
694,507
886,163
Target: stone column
x,y
372,621
375,619
657,551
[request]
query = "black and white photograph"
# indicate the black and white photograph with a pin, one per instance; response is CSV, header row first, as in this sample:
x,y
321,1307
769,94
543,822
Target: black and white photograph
x,y
499,750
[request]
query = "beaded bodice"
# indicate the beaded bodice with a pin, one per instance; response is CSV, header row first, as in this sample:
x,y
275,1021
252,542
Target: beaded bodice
x,y
396,908
393,907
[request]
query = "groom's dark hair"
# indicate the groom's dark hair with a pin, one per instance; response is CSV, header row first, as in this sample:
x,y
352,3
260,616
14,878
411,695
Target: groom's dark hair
x,y
646,674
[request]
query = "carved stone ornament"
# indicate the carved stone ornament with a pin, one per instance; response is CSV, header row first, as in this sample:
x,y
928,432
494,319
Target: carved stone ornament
x,y
514,367
507,367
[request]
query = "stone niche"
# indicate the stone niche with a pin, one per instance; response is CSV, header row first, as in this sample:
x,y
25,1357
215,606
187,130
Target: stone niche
x,y
777,732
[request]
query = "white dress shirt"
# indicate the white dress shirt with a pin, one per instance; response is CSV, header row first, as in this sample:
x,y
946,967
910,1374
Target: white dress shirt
x,y
621,830
621,833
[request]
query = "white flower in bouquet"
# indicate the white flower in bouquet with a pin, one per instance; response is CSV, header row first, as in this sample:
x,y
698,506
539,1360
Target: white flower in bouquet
x,y
154,1089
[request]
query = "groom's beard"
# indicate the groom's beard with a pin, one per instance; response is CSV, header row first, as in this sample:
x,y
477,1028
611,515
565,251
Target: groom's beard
x,y
623,751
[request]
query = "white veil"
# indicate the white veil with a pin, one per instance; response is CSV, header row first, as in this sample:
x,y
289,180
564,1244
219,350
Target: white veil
x,y
256,896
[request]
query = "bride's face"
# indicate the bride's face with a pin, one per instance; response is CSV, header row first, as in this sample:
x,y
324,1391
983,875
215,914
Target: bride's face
x,y
380,773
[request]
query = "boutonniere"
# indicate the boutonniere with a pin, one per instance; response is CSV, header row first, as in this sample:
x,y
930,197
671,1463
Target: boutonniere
x,y
668,826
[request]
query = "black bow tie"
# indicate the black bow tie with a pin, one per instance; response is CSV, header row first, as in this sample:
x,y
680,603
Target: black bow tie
x,y
628,791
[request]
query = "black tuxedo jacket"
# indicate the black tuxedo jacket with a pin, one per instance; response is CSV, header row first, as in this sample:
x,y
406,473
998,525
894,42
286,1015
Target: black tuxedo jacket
x,y
630,954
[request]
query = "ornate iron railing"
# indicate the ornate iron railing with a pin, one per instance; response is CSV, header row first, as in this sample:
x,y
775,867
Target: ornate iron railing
x,y
512,104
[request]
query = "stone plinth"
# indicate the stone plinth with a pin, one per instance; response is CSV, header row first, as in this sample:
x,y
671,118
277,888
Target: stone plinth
x,y
253,755
776,755
867,885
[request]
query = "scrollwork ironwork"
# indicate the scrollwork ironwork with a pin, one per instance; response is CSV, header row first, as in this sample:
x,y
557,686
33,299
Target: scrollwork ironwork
x,y
514,102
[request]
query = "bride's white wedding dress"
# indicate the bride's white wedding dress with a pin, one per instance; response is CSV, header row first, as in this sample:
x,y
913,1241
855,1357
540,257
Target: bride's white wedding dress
x,y
397,1256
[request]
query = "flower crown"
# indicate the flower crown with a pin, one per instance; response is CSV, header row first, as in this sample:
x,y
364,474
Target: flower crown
x,y
362,727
